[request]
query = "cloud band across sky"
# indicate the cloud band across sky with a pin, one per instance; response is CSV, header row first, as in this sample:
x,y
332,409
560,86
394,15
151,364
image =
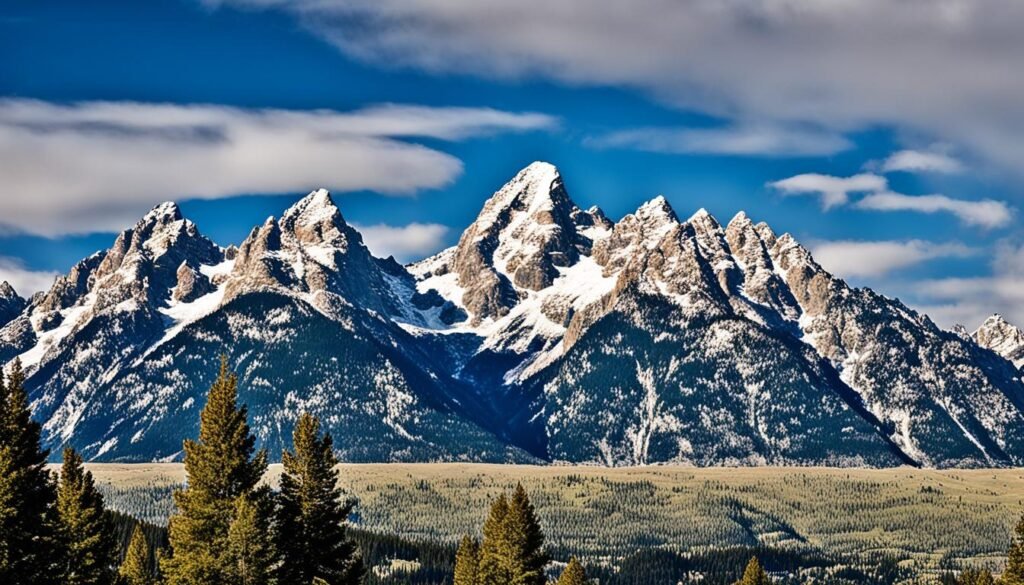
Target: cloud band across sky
x,y
944,68
95,166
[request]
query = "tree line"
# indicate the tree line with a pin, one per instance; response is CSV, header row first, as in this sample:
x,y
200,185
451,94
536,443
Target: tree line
x,y
229,528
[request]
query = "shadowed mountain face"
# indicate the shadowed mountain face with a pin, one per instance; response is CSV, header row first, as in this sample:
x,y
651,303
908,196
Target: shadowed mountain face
x,y
547,332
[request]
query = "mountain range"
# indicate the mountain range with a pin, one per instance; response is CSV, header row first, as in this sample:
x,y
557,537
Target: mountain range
x,y
549,333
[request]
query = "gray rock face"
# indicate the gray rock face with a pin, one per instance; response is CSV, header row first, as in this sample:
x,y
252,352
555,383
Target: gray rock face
x,y
191,285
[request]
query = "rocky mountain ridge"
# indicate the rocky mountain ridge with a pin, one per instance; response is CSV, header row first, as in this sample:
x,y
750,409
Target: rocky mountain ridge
x,y
548,332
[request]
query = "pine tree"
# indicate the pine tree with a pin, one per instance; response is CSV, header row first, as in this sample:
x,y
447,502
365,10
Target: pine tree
x,y
222,467
527,540
1014,572
512,549
27,491
312,513
136,568
250,546
86,535
754,574
573,574
493,568
975,577
466,561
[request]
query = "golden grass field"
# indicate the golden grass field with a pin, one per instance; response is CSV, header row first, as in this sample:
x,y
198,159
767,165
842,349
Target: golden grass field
x,y
925,515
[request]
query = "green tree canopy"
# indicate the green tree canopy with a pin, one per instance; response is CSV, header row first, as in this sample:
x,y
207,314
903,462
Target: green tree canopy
x,y
467,560
135,570
86,535
573,574
27,491
754,574
311,517
222,467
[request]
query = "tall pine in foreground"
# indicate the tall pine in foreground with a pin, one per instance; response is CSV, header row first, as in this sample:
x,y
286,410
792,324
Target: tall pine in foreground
x,y
222,467
512,548
27,492
85,534
754,574
1014,573
135,570
312,513
467,559
573,574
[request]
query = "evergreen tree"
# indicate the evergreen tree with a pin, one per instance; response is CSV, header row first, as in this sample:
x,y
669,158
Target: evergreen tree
x,y
27,491
222,467
1014,573
312,513
975,577
512,549
250,547
135,570
493,568
86,535
527,540
754,574
466,561
573,574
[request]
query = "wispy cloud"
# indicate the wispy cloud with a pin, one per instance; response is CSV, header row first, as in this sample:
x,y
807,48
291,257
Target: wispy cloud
x,y
96,165
943,69
856,258
986,213
833,190
917,161
969,301
26,282
407,242
743,140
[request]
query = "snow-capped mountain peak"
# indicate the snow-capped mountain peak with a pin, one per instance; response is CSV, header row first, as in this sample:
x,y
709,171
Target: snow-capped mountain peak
x,y
1002,337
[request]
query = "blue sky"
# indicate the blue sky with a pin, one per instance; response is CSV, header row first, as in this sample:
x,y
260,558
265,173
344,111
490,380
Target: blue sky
x,y
414,111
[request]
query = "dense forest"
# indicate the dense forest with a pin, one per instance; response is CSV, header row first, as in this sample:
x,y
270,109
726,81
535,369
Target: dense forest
x,y
227,526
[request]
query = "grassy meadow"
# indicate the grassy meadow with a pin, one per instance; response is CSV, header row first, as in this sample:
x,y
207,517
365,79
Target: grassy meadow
x,y
935,519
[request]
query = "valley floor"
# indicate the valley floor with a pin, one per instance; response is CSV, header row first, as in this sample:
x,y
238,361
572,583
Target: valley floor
x,y
937,519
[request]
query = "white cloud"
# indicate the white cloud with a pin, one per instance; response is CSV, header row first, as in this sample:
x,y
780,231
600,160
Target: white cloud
x,y
409,242
916,161
986,213
969,301
744,140
25,282
833,190
97,165
944,69
853,258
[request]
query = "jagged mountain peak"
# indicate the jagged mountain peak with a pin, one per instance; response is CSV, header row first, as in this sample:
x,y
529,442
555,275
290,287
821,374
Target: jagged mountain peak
x,y
1002,337
317,207
657,210
10,303
7,291
168,210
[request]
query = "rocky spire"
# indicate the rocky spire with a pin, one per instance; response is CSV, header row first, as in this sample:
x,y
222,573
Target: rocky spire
x,y
311,250
11,305
525,232
1002,337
